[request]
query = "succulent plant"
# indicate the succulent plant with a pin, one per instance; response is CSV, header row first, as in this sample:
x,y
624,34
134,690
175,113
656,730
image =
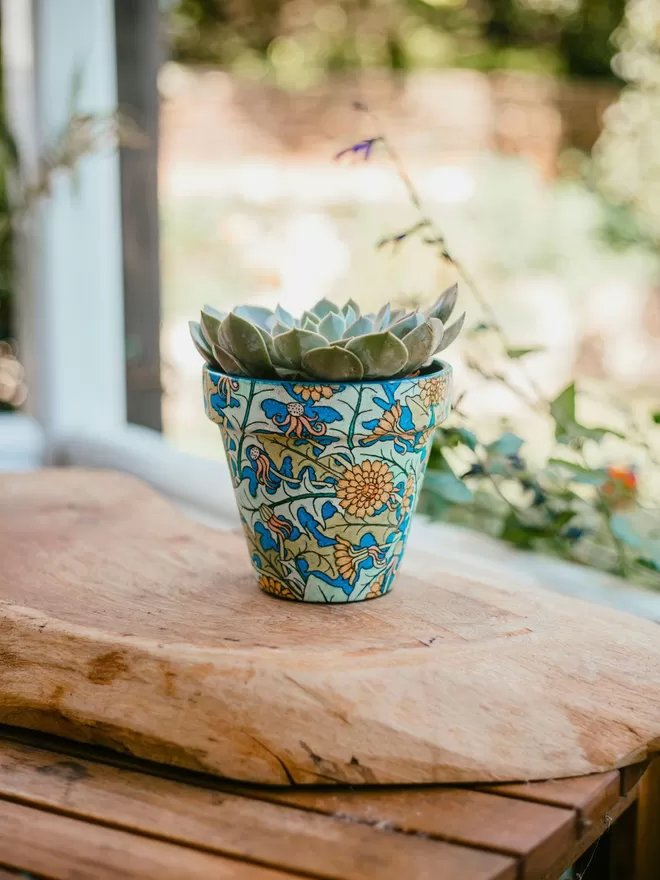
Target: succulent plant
x,y
327,342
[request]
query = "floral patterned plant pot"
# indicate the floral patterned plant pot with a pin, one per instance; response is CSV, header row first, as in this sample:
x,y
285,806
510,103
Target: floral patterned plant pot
x,y
326,476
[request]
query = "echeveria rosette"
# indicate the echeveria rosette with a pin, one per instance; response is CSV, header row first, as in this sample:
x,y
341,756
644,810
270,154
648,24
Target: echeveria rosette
x,y
327,342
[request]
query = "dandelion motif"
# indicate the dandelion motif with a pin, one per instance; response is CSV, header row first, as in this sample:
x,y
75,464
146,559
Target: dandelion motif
x,y
349,557
277,526
365,488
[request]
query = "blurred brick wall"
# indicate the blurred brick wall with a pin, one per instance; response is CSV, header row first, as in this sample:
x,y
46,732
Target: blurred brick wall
x,y
208,116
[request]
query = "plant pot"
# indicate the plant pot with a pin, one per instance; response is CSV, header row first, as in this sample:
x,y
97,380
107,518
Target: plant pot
x,y
326,476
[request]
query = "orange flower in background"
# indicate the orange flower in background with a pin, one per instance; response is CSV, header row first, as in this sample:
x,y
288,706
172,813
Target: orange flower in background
x,y
365,487
620,487
276,588
315,392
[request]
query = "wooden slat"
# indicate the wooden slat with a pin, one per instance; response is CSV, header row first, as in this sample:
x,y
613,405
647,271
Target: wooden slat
x,y
592,834
63,848
648,828
592,796
533,833
631,775
281,836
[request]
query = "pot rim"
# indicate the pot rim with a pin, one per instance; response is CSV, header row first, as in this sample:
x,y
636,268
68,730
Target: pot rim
x,y
445,369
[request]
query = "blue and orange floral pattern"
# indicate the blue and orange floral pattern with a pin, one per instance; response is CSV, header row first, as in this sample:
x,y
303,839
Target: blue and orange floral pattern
x,y
327,476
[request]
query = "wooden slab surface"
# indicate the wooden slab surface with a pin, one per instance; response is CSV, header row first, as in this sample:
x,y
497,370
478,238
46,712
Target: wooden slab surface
x,y
124,624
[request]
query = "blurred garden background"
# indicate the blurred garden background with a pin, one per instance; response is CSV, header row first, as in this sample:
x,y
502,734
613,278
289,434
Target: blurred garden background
x,y
531,129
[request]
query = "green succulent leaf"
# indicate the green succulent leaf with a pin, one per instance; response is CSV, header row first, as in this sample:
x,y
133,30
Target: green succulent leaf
x,y
333,363
291,346
383,317
332,327
451,334
348,315
228,362
406,324
306,324
352,306
310,318
324,307
363,325
279,328
200,342
270,347
247,346
381,354
284,317
257,315
444,305
210,321
420,344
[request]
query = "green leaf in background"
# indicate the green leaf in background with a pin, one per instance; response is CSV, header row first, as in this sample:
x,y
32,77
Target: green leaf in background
x,y
449,487
625,531
598,433
480,327
508,444
656,418
559,520
579,473
648,563
521,352
452,437
516,532
562,409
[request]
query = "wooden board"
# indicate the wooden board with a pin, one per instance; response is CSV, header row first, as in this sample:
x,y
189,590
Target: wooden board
x,y
240,826
126,625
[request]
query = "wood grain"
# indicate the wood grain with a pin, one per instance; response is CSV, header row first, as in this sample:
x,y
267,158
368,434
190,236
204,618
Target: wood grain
x,y
590,795
126,625
531,832
63,848
242,827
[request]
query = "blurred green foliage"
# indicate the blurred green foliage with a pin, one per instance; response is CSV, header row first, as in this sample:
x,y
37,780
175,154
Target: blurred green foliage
x,y
626,159
296,42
